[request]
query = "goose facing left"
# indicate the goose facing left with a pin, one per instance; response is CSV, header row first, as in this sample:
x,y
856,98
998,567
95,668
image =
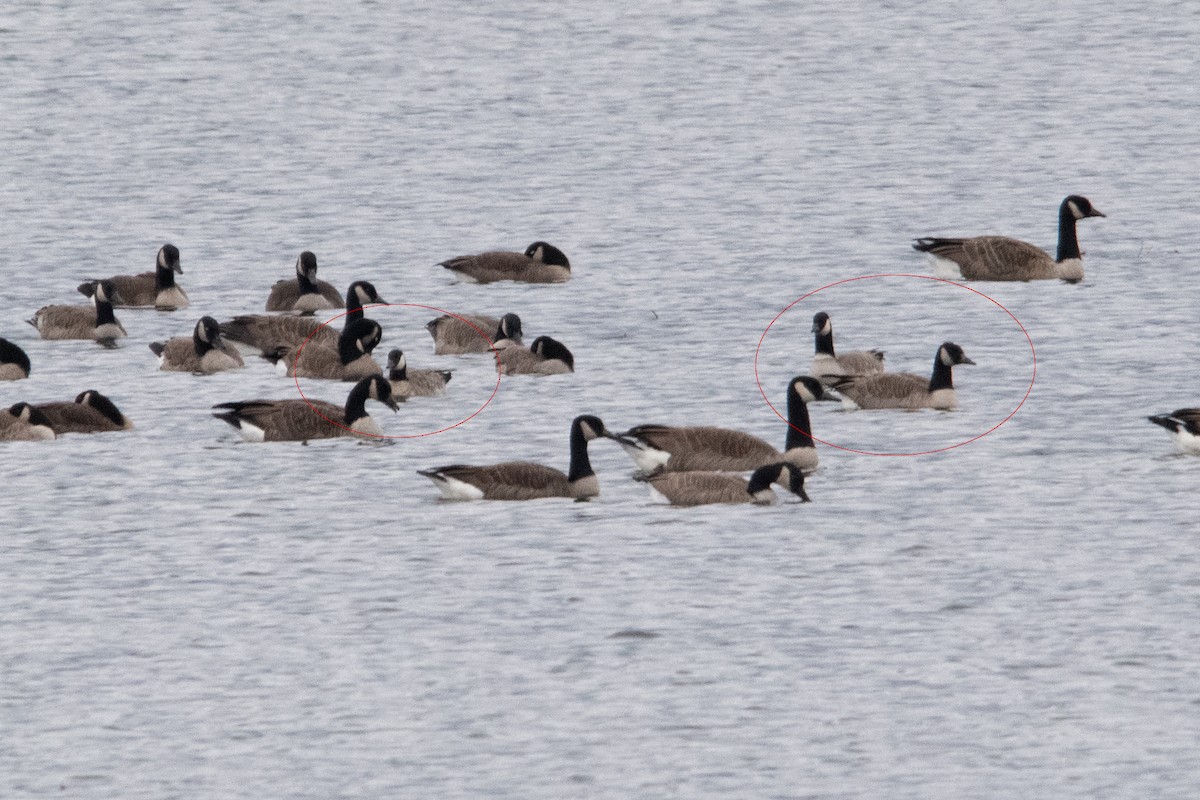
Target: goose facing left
x,y
203,352
157,288
295,420
91,412
905,390
707,488
414,382
81,322
14,362
1184,426
24,423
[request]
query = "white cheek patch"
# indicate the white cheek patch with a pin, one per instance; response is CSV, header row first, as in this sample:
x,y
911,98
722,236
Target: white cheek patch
x,y
827,328
539,254
1075,212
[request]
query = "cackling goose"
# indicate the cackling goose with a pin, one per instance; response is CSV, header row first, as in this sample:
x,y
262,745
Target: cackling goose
x,y
414,382
826,365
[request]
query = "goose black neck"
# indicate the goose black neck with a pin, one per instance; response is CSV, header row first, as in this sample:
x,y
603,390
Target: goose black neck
x,y
353,315
825,342
164,277
398,373
104,313
200,345
581,466
799,428
1068,239
306,286
348,346
942,374
356,402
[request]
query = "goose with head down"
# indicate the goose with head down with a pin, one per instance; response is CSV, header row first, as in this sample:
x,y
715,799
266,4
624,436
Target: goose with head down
x,y
540,263
707,488
91,412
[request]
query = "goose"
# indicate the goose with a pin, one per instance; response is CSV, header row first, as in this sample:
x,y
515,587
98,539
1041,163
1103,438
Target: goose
x,y
203,352
81,322
155,288
269,333
826,365
905,390
665,448
24,423
525,480
706,488
1184,425
414,382
540,263
91,412
349,361
304,294
545,356
465,333
297,420
14,363
999,258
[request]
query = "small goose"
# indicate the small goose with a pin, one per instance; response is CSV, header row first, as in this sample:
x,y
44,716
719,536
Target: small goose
x,y
540,263
203,352
525,480
297,420
545,356
905,390
24,423
91,412
155,288
14,363
414,382
349,361
465,333
81,322
304,294
269,333
827,365
706,488
999,258
665,448
1184,425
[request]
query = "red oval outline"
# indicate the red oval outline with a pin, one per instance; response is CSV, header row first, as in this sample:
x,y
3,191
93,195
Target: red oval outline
x,y
324,324
997,303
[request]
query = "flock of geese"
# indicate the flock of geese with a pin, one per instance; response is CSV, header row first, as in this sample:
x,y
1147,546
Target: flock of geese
x,y
688,465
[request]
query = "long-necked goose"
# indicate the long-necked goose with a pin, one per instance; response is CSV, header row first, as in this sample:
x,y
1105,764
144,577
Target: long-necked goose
x,y
454,335
157,288
204,351
24,423
350,361
706,488
540,263
827,365
305,293
82,322
269,333
546,356
1184,425
905,390
14,363
91,412
656,448
525,480
295,420
414,382
999,258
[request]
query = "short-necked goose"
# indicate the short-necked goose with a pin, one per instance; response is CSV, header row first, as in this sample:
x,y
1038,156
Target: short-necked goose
x,y
14,363
1184,425
706,488
157,288
268,333
350,360
305,293
414,382
91,412
205,351
827,365
24,423
546,356
465,333
294,420
81,322
905,390
540,263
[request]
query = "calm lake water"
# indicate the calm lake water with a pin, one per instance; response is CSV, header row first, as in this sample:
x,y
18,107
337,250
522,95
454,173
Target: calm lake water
x,y
187,615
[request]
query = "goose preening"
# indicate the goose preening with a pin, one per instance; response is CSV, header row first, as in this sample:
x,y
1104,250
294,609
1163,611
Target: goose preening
x,y
91,412
81,322
905,390
540,263
826,365
525,480
305,293
203,352
270,333
454,335
1184,425
1000,258
157,288
706,488
24,423
545,356
295,420
14,363
414,382
350,360
666,448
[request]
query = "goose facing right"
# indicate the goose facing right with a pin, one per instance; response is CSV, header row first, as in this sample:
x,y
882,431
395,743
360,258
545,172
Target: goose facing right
x,y
465,333
294,420
905,390
350,361
540,263
304,294
14,362
91,412
80,322
827,365
203,352
706,488
1184,426
24,423
155,288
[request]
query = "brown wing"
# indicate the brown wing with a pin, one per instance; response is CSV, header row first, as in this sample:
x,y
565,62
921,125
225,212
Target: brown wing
x,y
421,383
66,417
700,488
272,333
291,420
286,292
516,360
319,361
66,322
135,290
452,336
702,448
862,362
995,258
501,266
512,480
887,390
179,355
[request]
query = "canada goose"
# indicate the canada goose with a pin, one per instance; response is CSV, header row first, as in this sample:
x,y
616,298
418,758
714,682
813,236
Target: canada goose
x,y
999,258
349,361
465,333
81,322
304,294
1184,425
14,363
414,382
91,412
545,356
666,448
155,288
705,488
269,333
525,480
827,365
540,263
204,351
24,423
297,420
905,390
